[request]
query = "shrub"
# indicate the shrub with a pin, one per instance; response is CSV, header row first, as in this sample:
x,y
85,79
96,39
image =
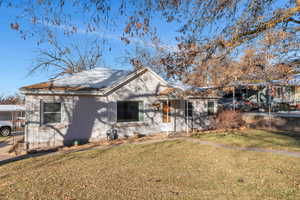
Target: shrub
x,y
229,119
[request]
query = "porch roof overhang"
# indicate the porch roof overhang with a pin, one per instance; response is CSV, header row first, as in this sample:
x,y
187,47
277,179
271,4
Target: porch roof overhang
x,y
171,92
11,108
177,94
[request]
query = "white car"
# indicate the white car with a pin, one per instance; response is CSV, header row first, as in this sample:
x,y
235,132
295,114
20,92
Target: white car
x,y
5,128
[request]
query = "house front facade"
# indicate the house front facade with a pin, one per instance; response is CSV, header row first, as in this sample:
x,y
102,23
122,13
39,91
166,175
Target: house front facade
x,y
90,105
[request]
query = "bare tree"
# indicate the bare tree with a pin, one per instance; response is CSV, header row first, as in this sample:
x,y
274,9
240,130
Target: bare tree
x,y
61,59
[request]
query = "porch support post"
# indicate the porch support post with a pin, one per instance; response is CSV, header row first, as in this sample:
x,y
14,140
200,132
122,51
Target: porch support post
x,y
13,120
168,114
186,115
26,115
13,125
233,98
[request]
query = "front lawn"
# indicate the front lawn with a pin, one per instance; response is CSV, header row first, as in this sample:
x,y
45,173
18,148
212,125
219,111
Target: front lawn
x,y
255,138
165,170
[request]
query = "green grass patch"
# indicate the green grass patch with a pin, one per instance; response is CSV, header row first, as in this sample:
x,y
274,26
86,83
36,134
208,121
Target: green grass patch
x,y
165,170
255,138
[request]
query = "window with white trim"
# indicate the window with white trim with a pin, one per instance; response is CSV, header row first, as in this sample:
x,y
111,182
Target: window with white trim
x,y
51,113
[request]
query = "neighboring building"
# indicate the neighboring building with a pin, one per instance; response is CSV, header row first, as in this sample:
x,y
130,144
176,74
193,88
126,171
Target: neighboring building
x,y
89,105
289,91
11,118
281,95
282,92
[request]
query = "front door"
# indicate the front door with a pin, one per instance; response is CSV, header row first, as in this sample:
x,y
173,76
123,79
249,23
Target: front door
x,y
166,112
167,119
169,112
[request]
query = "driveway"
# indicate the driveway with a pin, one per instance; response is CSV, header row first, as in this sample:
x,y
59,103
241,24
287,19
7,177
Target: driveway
x,y
6,143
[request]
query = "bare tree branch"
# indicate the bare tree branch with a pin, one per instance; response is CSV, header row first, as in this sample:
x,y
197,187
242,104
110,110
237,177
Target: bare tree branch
x,y
67,60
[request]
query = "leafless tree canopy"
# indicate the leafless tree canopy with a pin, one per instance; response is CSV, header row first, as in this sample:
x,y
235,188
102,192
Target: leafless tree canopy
x,y
12,100
62,60
219,41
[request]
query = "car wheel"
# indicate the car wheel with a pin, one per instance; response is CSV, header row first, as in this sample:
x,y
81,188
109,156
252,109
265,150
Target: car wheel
x,y
5,131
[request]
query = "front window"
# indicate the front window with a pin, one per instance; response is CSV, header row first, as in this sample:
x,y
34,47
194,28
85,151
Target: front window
x,y
51,113
211,108
130,111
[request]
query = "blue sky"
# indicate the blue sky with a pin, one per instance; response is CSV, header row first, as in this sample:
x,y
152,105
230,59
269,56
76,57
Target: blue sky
x,y
18,55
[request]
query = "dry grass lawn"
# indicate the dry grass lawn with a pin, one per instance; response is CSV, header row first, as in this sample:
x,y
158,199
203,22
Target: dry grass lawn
x,y
165,170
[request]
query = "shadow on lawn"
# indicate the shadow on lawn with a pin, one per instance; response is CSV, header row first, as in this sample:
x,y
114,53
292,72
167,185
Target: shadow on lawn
x,y
30,155
277,137
40,153
295,135
284,124
256,138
